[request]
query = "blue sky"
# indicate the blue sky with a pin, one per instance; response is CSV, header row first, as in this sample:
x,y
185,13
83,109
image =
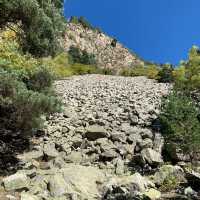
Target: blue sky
x,y
157,30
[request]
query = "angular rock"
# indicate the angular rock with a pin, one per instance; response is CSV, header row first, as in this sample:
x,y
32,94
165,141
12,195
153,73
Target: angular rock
x,y
118,136
74,157
16,181
119,167
50,151
27,196
57,186
151,156
95,132
152,194
84,180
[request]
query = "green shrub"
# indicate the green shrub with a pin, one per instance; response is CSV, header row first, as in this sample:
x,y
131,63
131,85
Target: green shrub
x,y
40,81
21,108
170,183
165,74
40,24
78,56
86,24
150,71
74,20
180,122
80,69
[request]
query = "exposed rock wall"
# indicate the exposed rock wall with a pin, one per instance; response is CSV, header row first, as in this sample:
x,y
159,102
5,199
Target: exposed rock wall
x,y
99,44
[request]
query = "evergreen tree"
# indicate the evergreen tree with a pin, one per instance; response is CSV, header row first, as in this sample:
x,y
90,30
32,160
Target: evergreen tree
x,y
41,23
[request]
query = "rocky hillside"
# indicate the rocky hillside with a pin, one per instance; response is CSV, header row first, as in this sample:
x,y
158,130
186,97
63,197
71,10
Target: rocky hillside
x,y
107,53
100,146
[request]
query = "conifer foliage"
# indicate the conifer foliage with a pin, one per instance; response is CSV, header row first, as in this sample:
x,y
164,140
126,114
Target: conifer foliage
x,y
40,22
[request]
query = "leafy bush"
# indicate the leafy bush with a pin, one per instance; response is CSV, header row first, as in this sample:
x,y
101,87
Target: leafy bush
x,y
21,108
80,69
59,65
85,23
40,24
78,56
170,183
180,122
165,74
150,71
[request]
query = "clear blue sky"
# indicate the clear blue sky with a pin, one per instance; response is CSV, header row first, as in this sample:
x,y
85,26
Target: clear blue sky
x,y
157,30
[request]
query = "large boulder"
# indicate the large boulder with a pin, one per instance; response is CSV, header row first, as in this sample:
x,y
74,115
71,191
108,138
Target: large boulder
x,y
151,156
16,181
58,187
95,132
50,151
84,180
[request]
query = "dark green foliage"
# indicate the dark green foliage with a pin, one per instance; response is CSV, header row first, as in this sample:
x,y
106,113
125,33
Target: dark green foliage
x,y
78,56
180,123
85,23
80,69
40,23
20,107
114,42
81,20
107,71
39,81
166,74
74,20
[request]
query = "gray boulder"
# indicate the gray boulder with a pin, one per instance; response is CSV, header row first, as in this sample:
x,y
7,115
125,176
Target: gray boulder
x,y
50,151
57,186
27,196
95,132
16,181
151,156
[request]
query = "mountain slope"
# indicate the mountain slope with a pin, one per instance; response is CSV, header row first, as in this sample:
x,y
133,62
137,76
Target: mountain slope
x,y
108,52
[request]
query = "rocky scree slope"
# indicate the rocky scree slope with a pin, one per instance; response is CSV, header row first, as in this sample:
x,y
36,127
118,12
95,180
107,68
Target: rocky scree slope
x,y
99,44
102,145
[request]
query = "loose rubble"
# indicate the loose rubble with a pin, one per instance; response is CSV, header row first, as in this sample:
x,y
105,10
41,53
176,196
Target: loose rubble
x,y
102,146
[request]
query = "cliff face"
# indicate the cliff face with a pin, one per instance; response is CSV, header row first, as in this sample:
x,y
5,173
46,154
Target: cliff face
x,y
108,52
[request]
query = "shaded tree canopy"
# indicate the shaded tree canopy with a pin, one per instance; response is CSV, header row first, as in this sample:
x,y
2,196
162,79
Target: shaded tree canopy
x,y
41,23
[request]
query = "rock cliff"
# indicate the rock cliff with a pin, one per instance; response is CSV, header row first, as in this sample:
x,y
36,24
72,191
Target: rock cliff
x,y
101,45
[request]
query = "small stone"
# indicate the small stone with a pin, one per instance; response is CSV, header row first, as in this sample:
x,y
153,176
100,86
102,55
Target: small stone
x,y
118,136
119,167
152,194
26,196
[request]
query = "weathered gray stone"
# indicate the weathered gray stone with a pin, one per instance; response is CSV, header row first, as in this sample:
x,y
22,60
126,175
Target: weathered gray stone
x,y
50,151
119,167
95,132
16,181
152,194
57,186
27,196
74,157
151,156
